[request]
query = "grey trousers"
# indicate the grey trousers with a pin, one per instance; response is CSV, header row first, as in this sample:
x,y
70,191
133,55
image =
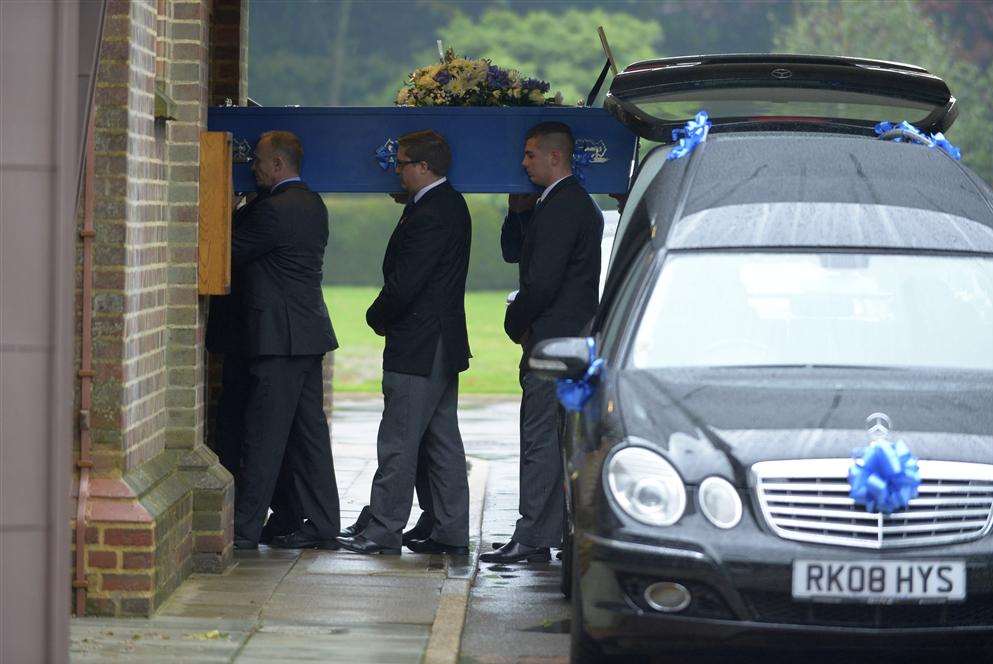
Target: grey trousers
x,y
542,499
420,411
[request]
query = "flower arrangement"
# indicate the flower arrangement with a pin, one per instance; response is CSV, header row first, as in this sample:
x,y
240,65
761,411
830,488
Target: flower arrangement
x,y
458,81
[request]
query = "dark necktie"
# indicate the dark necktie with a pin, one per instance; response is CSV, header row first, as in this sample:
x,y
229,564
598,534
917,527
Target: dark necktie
x,y
540,204
407,210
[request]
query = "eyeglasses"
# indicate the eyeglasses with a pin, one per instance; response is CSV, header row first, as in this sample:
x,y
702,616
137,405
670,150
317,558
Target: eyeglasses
x,y
403,162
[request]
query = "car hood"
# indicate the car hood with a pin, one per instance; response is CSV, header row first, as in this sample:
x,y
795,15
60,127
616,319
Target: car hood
x,y
721,421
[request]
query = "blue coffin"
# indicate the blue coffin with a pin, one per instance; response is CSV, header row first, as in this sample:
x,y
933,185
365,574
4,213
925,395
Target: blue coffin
x,y
340,144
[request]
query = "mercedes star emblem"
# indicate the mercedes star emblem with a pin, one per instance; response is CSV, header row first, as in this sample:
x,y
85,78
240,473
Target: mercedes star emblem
x,y
879,425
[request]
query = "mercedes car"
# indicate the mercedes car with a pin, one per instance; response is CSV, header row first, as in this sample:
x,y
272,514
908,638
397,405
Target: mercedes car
x,y
781,296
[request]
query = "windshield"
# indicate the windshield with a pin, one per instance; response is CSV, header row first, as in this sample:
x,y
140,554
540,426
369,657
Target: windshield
x,y
835,309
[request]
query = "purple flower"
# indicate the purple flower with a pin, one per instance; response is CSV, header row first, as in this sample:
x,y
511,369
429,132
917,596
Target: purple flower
x,y
497,78
442,77
535,84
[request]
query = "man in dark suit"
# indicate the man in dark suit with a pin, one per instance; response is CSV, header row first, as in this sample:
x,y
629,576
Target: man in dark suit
x,y
557,246
224,338
278,252
421,312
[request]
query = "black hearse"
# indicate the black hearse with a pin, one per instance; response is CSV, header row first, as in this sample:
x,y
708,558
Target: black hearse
x,y
793,289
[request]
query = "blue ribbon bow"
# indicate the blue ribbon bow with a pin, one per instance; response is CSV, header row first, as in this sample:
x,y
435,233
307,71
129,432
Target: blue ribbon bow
x,y
581,159
573,394
933,140
386,154
884,476
690,136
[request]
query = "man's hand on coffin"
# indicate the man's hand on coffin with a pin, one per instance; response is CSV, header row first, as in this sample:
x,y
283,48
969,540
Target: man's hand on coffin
x,y
521,202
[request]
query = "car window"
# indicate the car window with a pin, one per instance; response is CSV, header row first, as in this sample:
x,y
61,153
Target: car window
x,y
834,309
649,169
620,306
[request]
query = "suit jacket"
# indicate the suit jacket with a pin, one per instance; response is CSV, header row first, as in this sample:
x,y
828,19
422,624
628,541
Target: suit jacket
x,y
277,252
224,315
559,266
423,295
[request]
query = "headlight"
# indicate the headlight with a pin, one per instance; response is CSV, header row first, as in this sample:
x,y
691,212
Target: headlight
x,y
719,502
646,486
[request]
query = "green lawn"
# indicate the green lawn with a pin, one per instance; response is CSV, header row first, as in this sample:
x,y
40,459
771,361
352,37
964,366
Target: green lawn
x,y
359,360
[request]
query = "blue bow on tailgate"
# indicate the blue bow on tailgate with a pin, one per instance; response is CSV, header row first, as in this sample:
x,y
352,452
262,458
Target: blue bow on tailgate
x,y
690,136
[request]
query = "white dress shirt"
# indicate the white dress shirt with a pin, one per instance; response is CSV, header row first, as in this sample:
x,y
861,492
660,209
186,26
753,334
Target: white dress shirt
x,y
549,188
423,190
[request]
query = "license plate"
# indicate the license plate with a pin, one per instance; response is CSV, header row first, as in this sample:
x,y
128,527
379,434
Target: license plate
x,y
878,580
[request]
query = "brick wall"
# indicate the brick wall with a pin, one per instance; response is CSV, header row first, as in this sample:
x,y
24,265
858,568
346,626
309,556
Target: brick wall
x,y
161,505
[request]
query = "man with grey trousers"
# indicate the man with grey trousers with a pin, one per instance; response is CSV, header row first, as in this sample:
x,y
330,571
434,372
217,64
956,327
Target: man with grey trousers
x,y
557,246
421,312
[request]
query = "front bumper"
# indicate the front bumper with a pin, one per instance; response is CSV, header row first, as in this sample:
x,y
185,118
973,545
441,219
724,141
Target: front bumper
x,y
745,600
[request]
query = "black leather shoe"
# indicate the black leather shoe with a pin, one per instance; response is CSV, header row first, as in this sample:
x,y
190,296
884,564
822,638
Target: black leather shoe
x,y
270,533
362,544
304,540
360,523
421,531
515,552
245,544
430,546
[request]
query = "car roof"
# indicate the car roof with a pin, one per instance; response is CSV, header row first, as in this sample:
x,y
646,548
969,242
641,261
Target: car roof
x,y
807,189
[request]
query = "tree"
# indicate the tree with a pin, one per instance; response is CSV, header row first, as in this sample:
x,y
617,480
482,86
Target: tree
x,y
561,48
900,31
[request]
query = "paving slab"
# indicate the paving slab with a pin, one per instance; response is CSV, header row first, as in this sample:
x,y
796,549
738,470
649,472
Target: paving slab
x,y
328,606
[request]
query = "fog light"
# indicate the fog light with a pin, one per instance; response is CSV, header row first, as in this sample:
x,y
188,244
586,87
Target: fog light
x,y
667,596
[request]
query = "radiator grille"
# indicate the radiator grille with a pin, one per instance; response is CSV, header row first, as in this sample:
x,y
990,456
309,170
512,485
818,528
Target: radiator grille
x,y
807,500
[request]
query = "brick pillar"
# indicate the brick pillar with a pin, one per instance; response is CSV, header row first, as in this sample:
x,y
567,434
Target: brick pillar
x,y
161,504
213,498
129,323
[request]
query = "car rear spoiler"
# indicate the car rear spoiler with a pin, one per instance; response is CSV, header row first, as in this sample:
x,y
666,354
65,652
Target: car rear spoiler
x,y
825,79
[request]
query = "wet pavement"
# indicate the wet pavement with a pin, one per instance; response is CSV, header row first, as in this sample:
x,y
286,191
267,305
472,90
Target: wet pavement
x,y
516,612
277,605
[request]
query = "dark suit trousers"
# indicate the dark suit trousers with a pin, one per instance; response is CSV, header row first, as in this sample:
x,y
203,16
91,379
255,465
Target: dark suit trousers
x,y
542,499
285,424
230,428
420,412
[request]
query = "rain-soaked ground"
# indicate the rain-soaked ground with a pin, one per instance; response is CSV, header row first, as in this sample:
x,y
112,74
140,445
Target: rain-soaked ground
x,y
284,606
516,612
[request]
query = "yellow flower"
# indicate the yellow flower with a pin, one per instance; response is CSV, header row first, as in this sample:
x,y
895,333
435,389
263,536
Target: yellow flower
x,y
536,97
426,81
458,85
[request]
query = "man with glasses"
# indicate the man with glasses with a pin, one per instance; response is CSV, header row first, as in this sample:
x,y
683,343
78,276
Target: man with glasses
x,y
421,312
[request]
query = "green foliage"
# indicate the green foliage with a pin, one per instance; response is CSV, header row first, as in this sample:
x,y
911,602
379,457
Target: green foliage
x,y
561,47
359,360
901,32
361,226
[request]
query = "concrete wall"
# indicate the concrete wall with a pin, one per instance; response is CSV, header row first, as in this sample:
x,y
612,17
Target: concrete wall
x,y
40,130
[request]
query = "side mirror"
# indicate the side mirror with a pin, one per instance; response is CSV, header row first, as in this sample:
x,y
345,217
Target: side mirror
x,y
562,357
